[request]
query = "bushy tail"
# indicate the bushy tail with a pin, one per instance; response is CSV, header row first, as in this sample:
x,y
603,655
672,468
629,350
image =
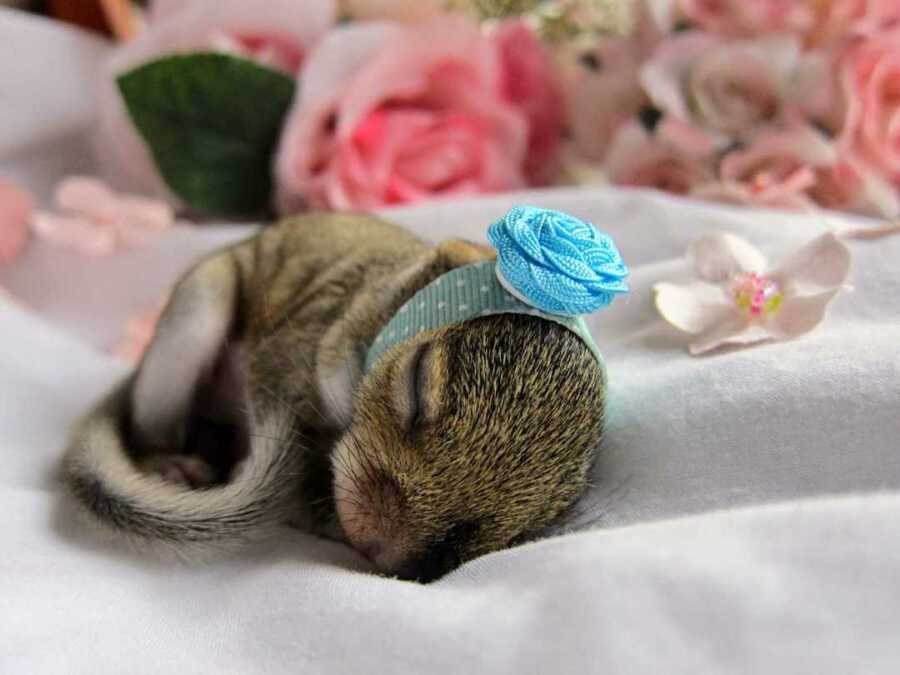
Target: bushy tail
x,y
172,519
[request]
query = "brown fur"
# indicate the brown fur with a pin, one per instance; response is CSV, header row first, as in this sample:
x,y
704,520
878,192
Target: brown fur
x,y
458,443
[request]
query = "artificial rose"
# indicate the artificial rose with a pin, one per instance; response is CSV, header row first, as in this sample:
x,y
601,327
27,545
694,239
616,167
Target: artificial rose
x,y
778,168
852,185
726,86
556,262
750,17
531,83
276,33
870,78
673,158
391,114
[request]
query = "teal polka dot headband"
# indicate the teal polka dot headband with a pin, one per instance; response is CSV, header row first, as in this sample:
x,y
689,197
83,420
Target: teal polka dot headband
x,y
549,264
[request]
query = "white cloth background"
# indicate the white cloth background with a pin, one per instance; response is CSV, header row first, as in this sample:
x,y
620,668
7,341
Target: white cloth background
x,y
746,504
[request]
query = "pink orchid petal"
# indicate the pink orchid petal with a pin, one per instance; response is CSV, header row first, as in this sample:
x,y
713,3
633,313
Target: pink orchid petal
x,y
821,265
15,211
74,233
694,307
718,257
800,314
734,328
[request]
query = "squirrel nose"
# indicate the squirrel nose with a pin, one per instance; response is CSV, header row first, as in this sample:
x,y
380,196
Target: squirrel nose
x,y
430,565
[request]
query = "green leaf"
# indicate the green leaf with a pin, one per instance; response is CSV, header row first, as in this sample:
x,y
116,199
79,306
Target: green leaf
x,y
212,122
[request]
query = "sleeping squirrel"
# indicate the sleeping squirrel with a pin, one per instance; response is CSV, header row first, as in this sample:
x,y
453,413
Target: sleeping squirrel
x,y
252,407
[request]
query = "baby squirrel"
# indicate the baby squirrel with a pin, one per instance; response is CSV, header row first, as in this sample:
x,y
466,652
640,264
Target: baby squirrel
x,y
251,409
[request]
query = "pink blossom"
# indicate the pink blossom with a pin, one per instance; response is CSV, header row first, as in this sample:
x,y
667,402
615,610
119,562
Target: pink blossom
x,y
390,114
726,86
871,84
15,212
676,158
276,33
737,299
776,169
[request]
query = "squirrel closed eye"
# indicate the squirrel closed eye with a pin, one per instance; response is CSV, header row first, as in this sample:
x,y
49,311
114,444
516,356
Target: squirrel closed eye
x,y
255,405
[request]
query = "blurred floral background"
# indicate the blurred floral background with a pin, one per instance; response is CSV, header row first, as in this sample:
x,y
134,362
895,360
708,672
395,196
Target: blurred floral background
x,y
364,103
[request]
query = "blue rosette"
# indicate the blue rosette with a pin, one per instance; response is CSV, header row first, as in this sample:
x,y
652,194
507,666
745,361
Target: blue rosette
x,y
556,262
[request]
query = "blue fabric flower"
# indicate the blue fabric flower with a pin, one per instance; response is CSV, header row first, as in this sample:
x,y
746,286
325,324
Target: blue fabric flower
x,y
556,262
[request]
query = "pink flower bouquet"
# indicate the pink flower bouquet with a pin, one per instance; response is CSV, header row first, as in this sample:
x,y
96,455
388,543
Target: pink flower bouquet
x,y
232,108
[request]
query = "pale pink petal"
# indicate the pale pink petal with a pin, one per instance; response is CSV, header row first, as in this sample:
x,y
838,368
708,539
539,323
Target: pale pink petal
x,y
405,70
694,307
718,257
339,55
83,194
135,219
734,328
73,232
15,211
663,76
139,331
821,265
800,314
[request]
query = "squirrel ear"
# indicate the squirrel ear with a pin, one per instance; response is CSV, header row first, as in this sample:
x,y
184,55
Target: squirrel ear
x,y
190,337
458,252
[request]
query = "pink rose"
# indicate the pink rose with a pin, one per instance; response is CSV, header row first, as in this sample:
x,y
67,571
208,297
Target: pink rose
x,y
531,83
750,17
796,167
390,114
871,82
852,185
674,158
603,92
728,87
776,169
15,212
276,33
